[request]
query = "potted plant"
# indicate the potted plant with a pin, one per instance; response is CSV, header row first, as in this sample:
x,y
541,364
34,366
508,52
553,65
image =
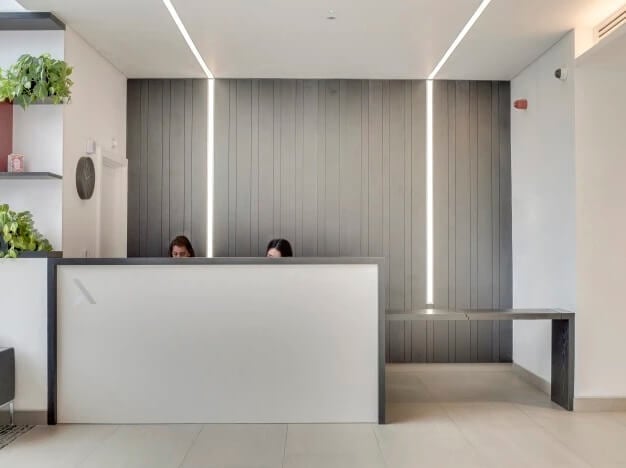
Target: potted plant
x,y
36,79
18,234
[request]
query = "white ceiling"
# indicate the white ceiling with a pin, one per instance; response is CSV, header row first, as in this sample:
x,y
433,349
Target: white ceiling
x,y
137,36
608,54
293,38
10,5
512,33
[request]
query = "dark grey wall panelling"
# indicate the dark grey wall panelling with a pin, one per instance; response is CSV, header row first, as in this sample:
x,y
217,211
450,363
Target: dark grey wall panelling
x,y
472,217
338,167
167,156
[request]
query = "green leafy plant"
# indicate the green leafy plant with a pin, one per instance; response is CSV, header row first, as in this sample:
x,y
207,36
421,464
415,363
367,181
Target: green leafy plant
x,y
18,234
34,79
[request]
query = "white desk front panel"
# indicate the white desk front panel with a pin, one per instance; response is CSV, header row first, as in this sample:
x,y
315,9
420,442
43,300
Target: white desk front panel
x,y
217,343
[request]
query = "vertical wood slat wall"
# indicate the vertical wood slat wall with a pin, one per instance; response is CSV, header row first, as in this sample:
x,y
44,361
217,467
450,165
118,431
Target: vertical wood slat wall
x,y
338,167
472,218
167,164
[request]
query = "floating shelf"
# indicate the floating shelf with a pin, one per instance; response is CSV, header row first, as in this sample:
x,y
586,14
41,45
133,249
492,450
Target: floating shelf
x,y
30,21
29,176
53,254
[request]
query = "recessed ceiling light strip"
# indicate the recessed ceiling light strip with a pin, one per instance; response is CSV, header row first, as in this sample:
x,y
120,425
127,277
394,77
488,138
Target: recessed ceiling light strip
x,y
187,37
459,38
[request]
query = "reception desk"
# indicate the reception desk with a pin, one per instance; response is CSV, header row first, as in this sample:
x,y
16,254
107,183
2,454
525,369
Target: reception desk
x,y
228,340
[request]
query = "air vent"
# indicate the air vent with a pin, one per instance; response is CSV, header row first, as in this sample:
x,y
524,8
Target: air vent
x,y
610,24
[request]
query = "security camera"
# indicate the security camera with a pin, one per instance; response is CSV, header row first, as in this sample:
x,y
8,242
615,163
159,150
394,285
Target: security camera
x,y
561,74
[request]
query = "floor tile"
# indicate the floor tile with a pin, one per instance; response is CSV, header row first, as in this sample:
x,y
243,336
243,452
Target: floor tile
x,y
55,446
422,434
406,388
598,438
505,435
149,446
620,417
416,413
467,385
332,445
238,446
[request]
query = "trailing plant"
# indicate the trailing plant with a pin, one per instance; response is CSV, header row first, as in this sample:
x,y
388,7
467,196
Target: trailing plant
x,y
18,234
33,79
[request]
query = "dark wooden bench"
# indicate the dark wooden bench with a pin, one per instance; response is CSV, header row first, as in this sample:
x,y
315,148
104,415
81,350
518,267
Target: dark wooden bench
x,y
562,386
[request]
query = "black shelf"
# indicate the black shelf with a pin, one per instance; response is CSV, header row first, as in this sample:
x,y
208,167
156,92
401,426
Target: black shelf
x,y
30,21
29,176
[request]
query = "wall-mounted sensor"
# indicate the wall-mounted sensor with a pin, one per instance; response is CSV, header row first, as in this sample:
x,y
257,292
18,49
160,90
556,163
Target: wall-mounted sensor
x,y
90,148
561,73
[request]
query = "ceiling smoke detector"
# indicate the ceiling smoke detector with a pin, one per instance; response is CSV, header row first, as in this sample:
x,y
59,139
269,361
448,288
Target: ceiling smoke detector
x,y
331,15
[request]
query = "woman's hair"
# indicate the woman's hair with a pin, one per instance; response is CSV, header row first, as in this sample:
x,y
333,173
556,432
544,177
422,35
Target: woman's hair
x,y
282,245
181,241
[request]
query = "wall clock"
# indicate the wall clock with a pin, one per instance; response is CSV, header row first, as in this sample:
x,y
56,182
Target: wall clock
x,y
85,177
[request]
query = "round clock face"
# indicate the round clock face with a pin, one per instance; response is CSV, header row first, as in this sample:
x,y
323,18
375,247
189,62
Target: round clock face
x,y
85,178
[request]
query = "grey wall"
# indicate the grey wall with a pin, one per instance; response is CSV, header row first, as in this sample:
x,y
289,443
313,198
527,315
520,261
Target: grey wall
x,y
472,219
338,167
167,164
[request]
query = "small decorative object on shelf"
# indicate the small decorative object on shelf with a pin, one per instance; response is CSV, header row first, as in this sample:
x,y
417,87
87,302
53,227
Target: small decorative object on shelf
x,y
16,162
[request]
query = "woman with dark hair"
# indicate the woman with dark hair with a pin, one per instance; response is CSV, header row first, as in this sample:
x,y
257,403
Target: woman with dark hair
x,y
180,247
279,248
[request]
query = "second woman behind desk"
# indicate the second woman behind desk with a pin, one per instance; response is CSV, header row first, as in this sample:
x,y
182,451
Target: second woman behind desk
x,y
180,247
279,248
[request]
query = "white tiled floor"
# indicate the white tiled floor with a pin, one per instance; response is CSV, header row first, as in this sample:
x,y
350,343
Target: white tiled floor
x,y
440,416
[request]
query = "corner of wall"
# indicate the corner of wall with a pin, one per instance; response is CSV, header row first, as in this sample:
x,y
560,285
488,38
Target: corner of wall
x,y
99,116
583,40
543,200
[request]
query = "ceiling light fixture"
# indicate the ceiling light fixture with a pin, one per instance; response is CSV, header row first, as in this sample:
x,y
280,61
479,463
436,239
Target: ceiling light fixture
x,y
331,15
459,38
430,220
187,37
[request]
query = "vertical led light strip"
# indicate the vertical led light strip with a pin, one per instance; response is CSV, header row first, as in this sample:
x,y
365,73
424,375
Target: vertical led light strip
x,y
430,254
210,182
210,123
430,224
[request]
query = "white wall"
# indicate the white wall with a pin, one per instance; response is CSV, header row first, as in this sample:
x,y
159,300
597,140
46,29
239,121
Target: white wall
x,y
38,134
601,224
97,111
23,326
543,200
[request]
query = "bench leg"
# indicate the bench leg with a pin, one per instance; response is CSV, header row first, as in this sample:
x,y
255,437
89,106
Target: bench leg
x,y
562,392
11,414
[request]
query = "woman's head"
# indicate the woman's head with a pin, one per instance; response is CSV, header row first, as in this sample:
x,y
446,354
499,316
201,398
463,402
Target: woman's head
x,y
180,247
279,248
